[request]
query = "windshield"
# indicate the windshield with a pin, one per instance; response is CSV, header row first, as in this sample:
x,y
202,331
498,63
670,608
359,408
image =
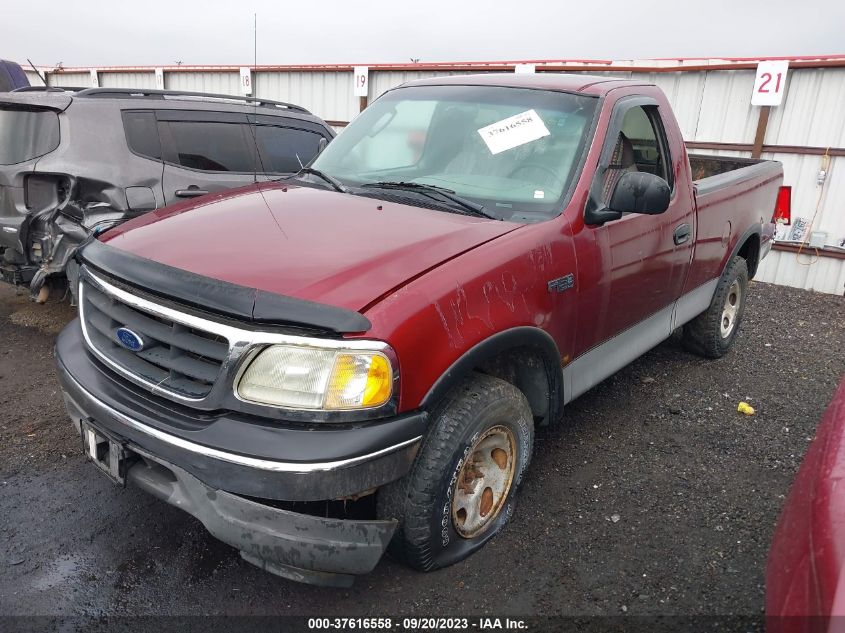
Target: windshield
x,y
515,151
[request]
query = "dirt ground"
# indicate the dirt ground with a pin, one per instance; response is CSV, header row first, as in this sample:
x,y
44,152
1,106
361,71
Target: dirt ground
x,y
654,497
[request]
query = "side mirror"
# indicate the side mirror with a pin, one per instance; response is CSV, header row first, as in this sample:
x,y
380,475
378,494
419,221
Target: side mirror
x,y
321,144
640,192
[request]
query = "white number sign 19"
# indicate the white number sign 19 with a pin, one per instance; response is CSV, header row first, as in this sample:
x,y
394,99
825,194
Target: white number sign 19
x,y
361,85
770,83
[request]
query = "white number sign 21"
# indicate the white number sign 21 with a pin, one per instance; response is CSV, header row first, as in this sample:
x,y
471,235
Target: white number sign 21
x,y
770,83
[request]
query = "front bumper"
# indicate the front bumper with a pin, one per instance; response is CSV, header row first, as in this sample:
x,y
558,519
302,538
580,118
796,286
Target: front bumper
x,y
179,465
296,546
234,452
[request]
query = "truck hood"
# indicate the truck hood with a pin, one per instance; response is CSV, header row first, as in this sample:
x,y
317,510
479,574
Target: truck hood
x,y
322,246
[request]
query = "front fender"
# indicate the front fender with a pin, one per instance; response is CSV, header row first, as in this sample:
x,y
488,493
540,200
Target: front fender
x,y
495,298
533,339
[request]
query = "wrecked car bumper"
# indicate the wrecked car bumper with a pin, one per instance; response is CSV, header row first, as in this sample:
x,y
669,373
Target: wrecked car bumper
x,y
212,484
297,546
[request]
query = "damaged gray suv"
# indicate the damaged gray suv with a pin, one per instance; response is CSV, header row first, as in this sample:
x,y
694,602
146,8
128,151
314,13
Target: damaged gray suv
x,y
74,163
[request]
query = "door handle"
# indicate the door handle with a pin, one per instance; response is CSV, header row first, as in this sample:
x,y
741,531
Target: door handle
x,y
191,192
682,234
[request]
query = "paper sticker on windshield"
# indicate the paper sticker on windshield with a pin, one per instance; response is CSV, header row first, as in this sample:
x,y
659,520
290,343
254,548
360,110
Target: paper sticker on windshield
x,y
514,131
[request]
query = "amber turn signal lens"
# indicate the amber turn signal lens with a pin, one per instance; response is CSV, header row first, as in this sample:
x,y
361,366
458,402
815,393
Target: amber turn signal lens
x,y
359,380
379,383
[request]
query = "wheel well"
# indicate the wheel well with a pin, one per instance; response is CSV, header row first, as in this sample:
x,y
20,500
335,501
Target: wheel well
x,y
526,369
526,357
750,252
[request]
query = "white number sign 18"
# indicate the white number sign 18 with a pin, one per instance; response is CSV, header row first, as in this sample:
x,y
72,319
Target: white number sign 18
x,y
770,83
246,81
361,81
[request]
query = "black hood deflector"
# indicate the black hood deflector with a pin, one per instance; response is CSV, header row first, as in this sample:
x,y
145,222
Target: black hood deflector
x,y
221,297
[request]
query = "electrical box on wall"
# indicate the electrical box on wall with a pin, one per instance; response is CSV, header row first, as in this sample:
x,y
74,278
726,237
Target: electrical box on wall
x,y
818,239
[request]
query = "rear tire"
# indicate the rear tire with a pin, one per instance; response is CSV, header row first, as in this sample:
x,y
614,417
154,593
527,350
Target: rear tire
x,y
712,333
461,489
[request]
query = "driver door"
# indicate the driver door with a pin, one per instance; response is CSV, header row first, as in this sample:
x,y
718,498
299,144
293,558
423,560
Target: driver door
x,y
646,256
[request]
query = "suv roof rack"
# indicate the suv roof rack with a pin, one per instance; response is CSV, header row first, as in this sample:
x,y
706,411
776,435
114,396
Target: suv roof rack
x,y
49,89
144,93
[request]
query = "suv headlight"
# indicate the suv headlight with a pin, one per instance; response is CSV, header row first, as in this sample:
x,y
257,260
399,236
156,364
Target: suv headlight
x,y
313,378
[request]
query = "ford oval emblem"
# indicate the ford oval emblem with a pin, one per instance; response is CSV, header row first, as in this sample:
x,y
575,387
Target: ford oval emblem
x,y
129,339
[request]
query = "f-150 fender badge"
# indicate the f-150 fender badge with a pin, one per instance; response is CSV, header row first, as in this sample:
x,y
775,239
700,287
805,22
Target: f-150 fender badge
x,y
562,283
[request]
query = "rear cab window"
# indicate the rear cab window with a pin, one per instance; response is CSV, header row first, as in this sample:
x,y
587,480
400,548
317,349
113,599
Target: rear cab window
x,y
27,133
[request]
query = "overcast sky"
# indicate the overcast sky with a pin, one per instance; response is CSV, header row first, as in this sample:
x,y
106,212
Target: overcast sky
x,y
158,32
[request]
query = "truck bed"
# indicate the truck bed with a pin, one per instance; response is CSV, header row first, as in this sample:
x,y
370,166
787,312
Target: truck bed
x,y
730,195
704,166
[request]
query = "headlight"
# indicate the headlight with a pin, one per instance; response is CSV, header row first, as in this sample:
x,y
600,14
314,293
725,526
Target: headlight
x,y
314,378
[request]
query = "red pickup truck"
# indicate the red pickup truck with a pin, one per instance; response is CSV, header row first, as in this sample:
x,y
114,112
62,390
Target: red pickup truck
x,y
357,356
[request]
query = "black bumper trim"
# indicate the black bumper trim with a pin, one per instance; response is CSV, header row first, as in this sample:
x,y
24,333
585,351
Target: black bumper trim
x,y
297,546
234,458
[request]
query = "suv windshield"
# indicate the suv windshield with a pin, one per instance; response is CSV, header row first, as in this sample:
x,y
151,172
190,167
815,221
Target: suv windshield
x,y
515,151
27,134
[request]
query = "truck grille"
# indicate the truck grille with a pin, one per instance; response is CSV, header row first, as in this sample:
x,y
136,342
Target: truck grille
x,y
173,357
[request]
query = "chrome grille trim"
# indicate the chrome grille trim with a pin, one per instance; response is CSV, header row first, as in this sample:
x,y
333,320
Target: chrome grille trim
x,y
240,341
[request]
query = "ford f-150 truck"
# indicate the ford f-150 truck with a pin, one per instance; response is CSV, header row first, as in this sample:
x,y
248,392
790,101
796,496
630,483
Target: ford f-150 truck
x,y
356,357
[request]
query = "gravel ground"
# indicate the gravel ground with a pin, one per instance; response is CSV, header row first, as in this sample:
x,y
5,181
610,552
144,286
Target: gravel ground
x,y
655,497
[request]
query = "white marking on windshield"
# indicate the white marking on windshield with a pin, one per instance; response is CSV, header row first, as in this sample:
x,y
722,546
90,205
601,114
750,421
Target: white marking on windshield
x,y
514,131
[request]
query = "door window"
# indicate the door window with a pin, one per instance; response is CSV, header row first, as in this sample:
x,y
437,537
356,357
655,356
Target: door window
x,y
142,133
286,149
640,146
211,146
642,128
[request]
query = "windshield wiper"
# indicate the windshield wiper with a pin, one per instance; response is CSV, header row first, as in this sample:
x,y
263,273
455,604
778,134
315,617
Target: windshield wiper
x,y
334,182
473,207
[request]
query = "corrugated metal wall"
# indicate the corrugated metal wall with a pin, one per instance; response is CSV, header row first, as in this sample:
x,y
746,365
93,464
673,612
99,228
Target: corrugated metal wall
x,y
328,94
822,274
711,106
127,80
70,80
217,82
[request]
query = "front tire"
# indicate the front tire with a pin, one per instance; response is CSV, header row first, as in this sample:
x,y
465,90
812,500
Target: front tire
x,y
712,333
461,490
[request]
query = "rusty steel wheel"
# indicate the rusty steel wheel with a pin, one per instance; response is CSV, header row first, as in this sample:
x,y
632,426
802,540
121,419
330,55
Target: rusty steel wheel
x,y
712,332
484,482
730,309
461,489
